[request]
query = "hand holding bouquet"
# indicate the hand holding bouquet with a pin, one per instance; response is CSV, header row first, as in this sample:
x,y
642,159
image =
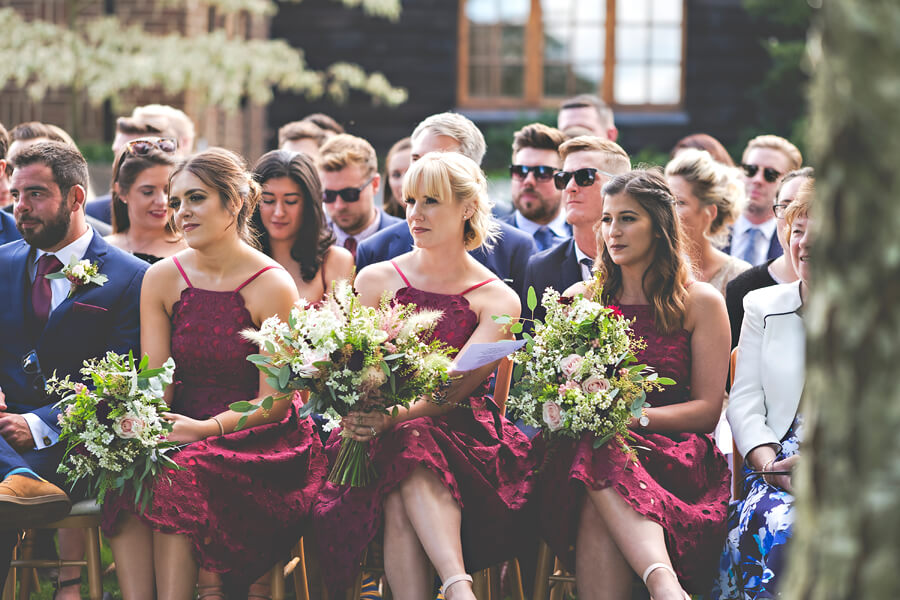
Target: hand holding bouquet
x,y
351,358
578,372
115,433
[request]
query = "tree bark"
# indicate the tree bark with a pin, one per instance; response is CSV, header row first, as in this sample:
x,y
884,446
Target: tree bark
x,y
847,541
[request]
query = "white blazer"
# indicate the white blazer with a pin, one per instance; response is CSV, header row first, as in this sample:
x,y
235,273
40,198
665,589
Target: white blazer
x,y
770,370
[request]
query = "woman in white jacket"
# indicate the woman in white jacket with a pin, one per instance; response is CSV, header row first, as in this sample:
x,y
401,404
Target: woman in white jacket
x,y
763,412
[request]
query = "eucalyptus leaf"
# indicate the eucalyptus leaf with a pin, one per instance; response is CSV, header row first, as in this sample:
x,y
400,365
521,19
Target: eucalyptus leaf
x,y
242,406
531,300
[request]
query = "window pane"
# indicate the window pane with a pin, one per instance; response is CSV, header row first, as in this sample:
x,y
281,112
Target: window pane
x,y
587,45
631,85
479,40
667,11
665,44
512,43
665,84
631,44
513,81
482,11
479,80
555,80
588,78
557,10
632,11
591,11
556,47
514,11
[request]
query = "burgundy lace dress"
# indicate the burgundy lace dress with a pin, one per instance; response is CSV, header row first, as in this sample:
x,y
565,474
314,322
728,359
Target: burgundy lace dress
x,y
478,455
243,498
681,481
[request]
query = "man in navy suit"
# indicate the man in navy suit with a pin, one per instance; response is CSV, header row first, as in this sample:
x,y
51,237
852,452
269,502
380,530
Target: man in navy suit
x,y
51,326
348,168
451,132
588,163
538,208
8,232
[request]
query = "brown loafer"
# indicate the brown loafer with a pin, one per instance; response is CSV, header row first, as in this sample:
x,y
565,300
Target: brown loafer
x,y
26,502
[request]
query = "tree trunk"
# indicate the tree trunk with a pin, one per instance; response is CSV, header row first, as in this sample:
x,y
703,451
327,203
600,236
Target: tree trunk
x,y
847,543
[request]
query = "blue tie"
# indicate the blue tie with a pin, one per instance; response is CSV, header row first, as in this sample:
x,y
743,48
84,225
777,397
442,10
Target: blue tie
x,y
750,249
544,238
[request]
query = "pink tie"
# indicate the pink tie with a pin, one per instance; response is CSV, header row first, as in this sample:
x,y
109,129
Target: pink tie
x,y
41,294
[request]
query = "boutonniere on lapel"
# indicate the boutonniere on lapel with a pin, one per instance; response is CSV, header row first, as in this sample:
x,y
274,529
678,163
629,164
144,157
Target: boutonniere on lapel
x,y
80,273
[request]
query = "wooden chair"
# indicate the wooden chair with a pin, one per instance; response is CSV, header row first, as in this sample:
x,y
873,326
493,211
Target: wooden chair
x,y
296,566
83,515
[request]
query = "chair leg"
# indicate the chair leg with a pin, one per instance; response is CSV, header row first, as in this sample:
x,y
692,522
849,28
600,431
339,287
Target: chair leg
x,y
276,581
301,578
92,552
481,585
515,580
558,588
543,571
27,575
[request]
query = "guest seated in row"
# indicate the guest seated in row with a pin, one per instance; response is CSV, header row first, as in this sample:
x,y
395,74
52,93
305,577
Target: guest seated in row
x,y
292,226
140,200
242,497
453,481
395,166
661,512
765,417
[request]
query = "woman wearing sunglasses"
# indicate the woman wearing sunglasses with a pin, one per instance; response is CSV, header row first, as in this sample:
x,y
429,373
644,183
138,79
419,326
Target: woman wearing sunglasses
x,y
708,198
140,201
292,224
660,510
241,498
453,481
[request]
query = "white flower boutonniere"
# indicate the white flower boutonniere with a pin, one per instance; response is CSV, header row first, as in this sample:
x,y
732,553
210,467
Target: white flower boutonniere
x,y
80,273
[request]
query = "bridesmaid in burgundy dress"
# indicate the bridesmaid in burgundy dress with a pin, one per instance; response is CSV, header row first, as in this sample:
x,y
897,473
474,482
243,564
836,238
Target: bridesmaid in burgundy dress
x,y
242,498
667,507
453,481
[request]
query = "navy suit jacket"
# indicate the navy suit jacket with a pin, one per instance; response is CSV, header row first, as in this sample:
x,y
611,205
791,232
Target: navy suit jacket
x,y
100,208
775,250
556,268
8,231
94,320
507,259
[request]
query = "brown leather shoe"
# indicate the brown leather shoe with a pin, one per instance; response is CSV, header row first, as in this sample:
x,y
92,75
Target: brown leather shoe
x,y
26,502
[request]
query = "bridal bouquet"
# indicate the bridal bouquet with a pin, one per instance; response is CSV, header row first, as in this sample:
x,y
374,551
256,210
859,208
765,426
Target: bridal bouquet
x,y
350,357
114,433
578,372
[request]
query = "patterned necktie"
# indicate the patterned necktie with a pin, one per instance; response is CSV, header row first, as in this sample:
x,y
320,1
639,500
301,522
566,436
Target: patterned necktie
x,y
750,249
543,237
350,244
588,263
41,294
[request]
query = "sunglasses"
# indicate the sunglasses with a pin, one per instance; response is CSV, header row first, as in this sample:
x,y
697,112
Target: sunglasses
x,y
769,174
541,172
350,194
583,177
143,146
31,366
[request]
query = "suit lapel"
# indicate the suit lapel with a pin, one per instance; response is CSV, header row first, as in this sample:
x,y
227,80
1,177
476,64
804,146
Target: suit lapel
x,y
20,286
571,269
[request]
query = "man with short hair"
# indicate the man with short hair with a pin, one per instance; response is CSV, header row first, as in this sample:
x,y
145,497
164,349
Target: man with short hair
x,y
766,159
326,123
452,132
538,210
587,112
588,163
348,168
302,136
51,326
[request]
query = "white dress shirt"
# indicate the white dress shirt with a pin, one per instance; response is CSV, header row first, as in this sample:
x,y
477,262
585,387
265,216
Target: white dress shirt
x,y
740,238
586,273
44,436
557,225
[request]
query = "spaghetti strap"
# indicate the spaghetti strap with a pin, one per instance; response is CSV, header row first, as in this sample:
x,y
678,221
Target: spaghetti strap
x,y
478,285
405,280
183,274
254,276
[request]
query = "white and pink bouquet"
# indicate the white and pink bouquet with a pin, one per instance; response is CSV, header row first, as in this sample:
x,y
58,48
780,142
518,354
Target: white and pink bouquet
x,y
115,434
578,372
350,357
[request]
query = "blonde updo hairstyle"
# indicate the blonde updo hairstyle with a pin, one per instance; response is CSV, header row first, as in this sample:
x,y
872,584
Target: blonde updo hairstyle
x,y
714,184
451,175
227,173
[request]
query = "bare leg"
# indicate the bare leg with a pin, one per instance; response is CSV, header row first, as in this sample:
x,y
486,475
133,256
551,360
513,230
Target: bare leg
x,y
405,562
133,551
261,589
436,518
640,540
601,570
71,547
176,569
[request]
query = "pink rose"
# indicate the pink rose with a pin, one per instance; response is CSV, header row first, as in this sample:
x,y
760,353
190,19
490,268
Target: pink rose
x,y
570,364
128,426
623,372
595,384
569,385
552,416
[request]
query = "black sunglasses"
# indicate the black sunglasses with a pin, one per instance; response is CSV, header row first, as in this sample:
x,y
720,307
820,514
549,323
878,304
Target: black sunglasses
x,y
769,174
31,366
541,172
350,194
583,177
143,146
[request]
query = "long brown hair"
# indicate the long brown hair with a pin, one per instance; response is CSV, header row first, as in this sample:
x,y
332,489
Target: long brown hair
x,y
126,170
665,280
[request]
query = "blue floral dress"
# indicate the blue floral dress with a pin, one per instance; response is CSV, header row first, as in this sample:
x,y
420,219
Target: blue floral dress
x,y
759,527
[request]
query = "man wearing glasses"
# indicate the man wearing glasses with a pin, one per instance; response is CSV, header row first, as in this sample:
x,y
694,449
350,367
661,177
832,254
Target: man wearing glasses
x,y
51,326
588,163
349,171
765,161
537,201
